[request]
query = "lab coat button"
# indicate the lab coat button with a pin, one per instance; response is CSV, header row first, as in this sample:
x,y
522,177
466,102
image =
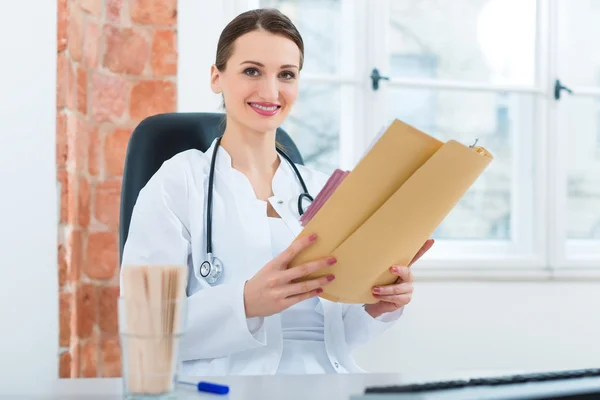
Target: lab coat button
x,y
279,201
336,364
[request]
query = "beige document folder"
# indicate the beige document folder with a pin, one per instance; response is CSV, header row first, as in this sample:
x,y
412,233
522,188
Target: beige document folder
x,y
387,207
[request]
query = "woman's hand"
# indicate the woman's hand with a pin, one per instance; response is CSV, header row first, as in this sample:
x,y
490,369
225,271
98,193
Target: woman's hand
x,y
271,290
397,295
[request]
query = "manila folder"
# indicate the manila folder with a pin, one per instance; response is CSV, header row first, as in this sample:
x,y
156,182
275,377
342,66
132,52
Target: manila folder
x,y
386,208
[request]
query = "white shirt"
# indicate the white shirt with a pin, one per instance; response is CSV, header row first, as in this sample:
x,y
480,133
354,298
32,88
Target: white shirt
x,y
168,227
301,321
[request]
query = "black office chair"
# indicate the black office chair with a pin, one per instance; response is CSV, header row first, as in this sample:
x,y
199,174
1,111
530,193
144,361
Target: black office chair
x,y
160,137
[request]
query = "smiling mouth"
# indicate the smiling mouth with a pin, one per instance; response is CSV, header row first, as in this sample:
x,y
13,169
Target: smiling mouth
x,y
264,109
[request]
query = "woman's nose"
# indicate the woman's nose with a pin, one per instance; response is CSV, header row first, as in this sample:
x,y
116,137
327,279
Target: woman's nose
x,y
269,90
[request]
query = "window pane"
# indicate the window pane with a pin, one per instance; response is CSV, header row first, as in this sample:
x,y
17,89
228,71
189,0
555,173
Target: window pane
x,y
495,119
578,33
318,21
580,123
491,41
314,125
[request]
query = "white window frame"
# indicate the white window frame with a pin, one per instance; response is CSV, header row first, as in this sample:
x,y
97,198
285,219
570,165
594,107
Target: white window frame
x,y
542,253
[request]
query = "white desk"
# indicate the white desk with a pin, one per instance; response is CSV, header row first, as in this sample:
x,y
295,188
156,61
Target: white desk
x,y
306,387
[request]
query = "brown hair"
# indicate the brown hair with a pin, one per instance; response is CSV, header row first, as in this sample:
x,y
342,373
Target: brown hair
x,y
268,19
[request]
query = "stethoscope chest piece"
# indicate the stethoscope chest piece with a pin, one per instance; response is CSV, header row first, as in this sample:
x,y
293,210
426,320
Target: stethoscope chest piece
x,y
211,269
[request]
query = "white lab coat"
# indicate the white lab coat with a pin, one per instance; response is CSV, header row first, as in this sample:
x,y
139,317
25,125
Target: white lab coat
x,y
168,227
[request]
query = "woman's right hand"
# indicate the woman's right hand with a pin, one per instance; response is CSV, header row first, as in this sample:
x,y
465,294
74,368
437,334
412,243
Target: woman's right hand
x,y
272,289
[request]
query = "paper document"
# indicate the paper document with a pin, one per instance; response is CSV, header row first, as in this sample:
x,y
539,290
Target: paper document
x,y
382,212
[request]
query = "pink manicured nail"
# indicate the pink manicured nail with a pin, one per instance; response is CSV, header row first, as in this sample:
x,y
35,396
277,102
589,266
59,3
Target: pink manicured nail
x,y
331,261
330,278
376,290
312,237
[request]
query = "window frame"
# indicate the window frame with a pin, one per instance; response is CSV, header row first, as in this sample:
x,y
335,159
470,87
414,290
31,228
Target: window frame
x,y
538,248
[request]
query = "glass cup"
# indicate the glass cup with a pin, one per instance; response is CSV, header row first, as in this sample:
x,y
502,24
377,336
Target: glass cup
x,y
150,334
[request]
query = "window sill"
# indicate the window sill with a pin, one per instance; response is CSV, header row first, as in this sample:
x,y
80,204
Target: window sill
x,y
485,274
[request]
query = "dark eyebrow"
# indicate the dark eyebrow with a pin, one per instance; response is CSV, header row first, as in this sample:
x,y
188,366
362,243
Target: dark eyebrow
x,y
262,65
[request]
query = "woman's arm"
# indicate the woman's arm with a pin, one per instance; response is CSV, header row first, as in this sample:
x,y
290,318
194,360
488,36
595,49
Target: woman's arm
x,y
159,234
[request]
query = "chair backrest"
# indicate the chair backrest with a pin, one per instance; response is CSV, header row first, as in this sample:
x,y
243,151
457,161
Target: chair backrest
x,y
160,137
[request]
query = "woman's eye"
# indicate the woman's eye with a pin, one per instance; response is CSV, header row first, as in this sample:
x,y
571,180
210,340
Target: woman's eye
x,y
288,75
251,72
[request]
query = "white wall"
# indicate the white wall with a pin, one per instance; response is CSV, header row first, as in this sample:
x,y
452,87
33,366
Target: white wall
x,y
449,326
28,200
497,326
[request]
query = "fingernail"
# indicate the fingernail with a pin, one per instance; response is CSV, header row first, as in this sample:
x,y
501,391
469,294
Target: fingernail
x,y
330,278
331,261
394,269
376,290
319,290
312,237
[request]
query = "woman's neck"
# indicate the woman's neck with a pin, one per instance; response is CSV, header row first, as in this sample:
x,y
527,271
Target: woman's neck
x,y
252,153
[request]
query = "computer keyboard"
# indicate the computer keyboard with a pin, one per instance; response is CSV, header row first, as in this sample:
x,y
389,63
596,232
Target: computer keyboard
x,y
543,382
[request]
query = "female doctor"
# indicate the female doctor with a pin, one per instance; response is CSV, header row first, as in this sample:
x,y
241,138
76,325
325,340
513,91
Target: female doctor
x,y
245,315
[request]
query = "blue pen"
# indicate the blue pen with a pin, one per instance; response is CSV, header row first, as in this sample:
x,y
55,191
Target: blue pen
x,y
209,387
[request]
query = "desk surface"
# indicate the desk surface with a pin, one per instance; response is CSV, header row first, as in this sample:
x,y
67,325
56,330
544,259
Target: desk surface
x,y
305,387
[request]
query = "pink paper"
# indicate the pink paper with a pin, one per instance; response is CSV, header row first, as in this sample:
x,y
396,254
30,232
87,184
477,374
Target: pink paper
x,y
330,186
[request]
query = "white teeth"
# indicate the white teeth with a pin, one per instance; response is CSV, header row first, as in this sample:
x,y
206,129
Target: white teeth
x,y
272,108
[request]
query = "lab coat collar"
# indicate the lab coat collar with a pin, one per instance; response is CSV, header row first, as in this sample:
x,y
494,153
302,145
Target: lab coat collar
x,y
282,186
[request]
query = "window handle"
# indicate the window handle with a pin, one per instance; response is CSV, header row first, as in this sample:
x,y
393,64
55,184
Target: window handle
x,y
558,88
376,77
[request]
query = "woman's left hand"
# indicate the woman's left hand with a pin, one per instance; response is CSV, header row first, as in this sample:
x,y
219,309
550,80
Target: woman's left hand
x,y
397,295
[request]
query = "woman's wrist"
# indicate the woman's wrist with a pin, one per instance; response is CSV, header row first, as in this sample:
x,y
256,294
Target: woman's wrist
x,y
373,313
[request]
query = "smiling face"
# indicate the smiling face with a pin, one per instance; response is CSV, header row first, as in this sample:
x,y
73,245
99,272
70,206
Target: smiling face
x,y
260,81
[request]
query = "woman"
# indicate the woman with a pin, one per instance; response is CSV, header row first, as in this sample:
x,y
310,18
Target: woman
x,y
253,319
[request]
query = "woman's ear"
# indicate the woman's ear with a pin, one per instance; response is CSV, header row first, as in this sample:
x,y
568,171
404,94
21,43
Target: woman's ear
x,y
215,84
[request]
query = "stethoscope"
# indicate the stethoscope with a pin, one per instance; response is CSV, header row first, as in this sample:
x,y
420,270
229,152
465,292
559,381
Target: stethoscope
x,y
212,269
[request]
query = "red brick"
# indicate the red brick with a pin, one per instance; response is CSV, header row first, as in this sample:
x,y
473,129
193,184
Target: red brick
x,y
64,317
63,24
89,358
109,96
74,255
63,267
62,79
108,320
82,90
95,152
113,10
75,351
110,351
78,132
164,53
151,98
106,203
61,177
115,149
71,87
64,369
93,7
61,140
71,198
126,50
156,12
101,255
92,43
75,32
83,203
86,309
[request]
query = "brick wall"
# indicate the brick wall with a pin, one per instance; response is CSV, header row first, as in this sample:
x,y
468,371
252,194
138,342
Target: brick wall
x,y
117,64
